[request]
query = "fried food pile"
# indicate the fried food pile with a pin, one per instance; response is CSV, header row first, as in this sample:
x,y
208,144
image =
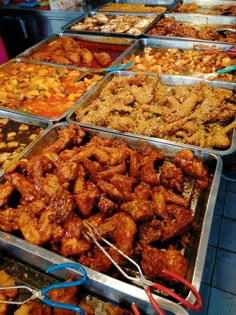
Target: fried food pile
x,y
169,26
199,59
100,22
69,295
133,7
228,9
195,114
70,51
137,199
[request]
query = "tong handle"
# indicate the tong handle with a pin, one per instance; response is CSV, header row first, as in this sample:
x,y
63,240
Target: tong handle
x,y
195,307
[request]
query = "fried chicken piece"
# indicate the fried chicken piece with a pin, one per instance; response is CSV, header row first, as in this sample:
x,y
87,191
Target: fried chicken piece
x,y
87,56
88,309
111,172
9,219
6,190
73,134
60,59
107,206
219,137
27,190
191,166
143,191
8,294
103,58
36,230
85,200
140,210
67,295
96,260
115,310
170,196
110,190
150,231
177,222
154,261
33,308
171,176
121,230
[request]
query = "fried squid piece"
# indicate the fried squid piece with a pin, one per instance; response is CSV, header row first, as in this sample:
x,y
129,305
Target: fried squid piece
x,y
191,166
154,261
171,176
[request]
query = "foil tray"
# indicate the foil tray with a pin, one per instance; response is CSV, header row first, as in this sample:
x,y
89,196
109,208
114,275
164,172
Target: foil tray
x,y
113,45
112,288
166,79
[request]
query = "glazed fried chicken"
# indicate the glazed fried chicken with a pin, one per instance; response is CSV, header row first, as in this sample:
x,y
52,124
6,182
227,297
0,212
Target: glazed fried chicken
x,y
134,197
154,261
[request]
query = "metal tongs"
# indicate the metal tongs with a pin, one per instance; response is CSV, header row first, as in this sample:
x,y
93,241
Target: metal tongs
x,y
93,233
42,294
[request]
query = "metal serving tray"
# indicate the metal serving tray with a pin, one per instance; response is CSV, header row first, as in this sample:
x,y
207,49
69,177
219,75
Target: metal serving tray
x,y
116,47
27,120
111,288
67,27
205,7
195,20
139,46
24,273
166,79
82,76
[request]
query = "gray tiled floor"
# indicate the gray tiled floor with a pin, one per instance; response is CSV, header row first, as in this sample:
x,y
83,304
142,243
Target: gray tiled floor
x,y
218,288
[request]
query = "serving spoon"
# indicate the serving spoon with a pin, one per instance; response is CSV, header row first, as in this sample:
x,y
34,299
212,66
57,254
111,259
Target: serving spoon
x,y
223,31
213,75
114,68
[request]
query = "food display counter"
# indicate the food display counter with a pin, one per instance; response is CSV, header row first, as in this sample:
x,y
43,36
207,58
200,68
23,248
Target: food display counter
x,y
136,153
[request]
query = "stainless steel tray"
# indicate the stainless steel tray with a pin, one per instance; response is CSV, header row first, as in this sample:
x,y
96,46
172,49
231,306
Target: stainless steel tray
x,y
111,288
209,7
139,46
114,46
166,79
67,27
81,76
197,21
26,120
24,273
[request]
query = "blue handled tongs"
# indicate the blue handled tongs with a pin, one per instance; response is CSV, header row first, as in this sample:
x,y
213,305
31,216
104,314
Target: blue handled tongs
x,y
42,294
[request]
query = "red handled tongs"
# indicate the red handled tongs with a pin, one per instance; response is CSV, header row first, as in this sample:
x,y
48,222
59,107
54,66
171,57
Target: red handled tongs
x,y
141,280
